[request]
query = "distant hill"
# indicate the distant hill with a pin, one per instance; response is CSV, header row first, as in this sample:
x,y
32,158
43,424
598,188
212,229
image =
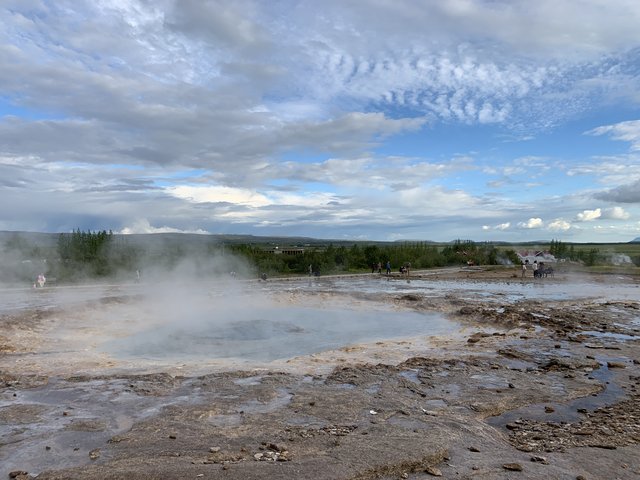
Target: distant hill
x,y
635,240
187,240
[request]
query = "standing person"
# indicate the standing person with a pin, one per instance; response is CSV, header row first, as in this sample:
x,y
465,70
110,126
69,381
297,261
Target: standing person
x,y
388,267
524,269
379,267
407,269
535,269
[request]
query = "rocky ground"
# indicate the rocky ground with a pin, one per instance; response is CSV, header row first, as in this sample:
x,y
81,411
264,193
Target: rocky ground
x,y
526,389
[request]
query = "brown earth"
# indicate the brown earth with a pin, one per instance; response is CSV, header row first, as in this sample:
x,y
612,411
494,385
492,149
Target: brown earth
x,y
526,389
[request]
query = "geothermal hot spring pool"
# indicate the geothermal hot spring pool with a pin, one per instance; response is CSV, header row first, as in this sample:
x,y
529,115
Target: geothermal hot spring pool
x,y
240,324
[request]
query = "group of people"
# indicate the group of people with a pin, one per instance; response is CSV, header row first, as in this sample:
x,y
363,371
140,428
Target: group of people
x,y
539,270
404,269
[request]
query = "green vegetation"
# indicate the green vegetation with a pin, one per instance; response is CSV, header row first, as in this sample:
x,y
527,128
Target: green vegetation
x,y
80,255
597,254
362,257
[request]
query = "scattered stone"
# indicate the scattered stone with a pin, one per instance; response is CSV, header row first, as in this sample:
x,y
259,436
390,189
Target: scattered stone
x,y
474,449
511,385
172,437
433,471
549,409
17,473
94,454
581,477
540,459
214,449
513,467
616,365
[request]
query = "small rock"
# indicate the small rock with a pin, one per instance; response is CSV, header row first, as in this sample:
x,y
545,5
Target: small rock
x,y
581,477
540,459
404,475
17,473
616,365
549,409
172,437
214,449
94,454
513,467
474,449
258,456
511,385
433,471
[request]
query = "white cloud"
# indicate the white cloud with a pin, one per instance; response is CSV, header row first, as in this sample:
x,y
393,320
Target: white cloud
x,y
626,131
615,213
501,226
589,215
532,223
143,226
559,225
215,194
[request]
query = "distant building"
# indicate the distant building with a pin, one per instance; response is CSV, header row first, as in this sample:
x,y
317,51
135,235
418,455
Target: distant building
x,y
286,250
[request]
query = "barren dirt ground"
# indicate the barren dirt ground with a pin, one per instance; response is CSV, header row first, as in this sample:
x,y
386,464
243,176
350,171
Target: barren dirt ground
x,y
526,385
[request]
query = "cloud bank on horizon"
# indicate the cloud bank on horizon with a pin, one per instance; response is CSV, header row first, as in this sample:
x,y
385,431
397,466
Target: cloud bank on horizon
x,y
374,119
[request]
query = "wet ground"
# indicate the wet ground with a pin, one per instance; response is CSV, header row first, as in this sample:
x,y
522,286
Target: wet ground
x,y
459,373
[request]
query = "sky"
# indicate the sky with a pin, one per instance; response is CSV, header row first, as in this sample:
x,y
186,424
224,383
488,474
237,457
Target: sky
x,y
484,120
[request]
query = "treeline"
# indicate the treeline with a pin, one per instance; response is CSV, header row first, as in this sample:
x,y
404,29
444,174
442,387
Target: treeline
x,y
358,258
85,254
562,251
92,254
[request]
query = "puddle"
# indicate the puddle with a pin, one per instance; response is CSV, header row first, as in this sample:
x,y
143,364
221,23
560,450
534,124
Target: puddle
x,y
411,375
282,399
566,412
615,336
490,382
